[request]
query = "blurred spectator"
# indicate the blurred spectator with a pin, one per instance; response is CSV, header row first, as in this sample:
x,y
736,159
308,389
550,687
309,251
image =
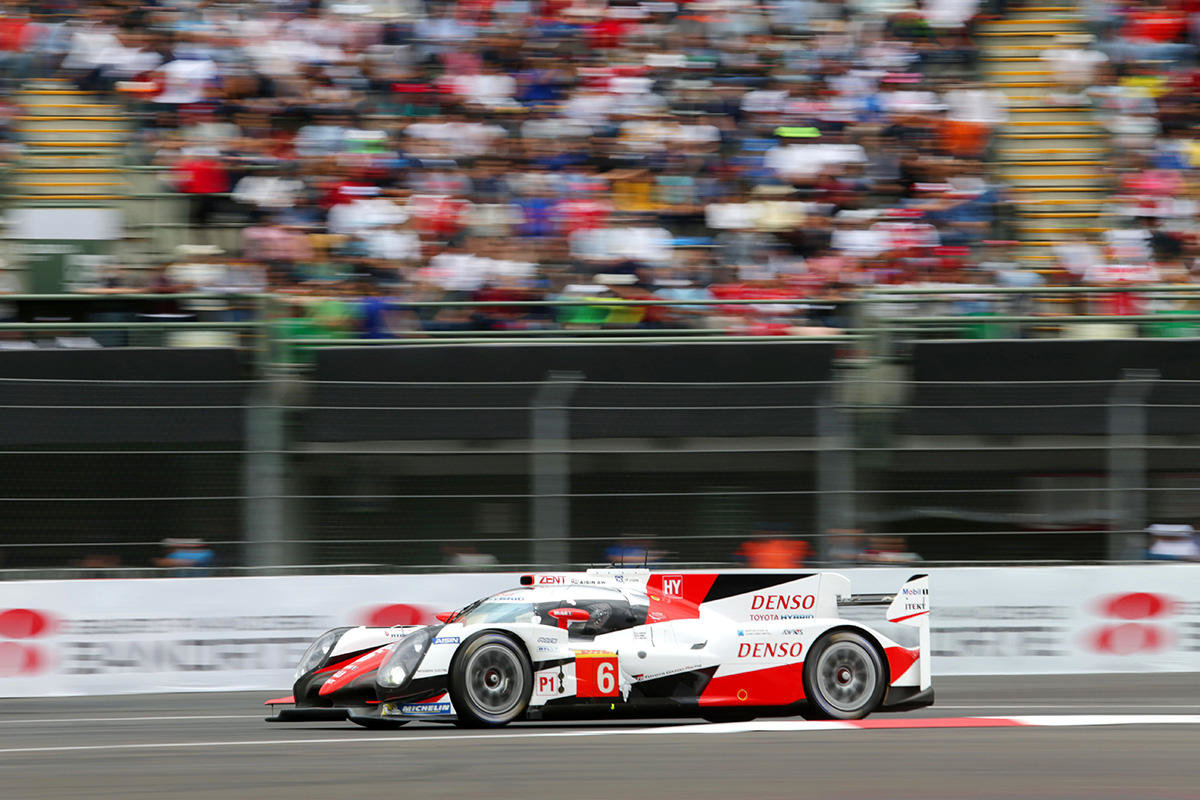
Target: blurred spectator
x,y
887,550
1172,543
770,550
187,558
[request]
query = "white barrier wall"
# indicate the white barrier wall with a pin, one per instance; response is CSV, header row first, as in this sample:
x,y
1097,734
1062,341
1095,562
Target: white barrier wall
x,y
188,634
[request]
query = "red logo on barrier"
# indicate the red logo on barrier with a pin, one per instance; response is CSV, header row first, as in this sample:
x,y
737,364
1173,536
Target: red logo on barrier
x,y
395,614
19,658
1138,605
25,623
1129,638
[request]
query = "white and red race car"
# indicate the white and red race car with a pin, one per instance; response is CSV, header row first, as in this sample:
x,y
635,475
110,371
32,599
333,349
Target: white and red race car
x,y
629,642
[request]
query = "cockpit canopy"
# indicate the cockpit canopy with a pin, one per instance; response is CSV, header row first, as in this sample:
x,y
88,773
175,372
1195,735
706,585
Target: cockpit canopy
x,y
608,610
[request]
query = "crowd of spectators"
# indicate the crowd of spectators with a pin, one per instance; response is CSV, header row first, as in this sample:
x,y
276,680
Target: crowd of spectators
x,y
379,153
1137,70
546,148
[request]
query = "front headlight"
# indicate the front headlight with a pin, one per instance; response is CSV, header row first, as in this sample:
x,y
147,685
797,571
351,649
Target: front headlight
x,y
317,652
405,658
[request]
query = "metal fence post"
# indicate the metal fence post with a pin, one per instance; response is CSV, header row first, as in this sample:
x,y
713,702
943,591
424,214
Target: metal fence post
x,y
1127,477
550,469
835,470
263,478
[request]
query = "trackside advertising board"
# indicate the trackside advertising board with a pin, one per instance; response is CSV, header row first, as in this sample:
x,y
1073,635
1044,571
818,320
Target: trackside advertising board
x,y
199,634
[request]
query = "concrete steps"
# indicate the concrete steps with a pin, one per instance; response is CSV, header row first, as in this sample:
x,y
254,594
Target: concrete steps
x,y
1051,156
73,144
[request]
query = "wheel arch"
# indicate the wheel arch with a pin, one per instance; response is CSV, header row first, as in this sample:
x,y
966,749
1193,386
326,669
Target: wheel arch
x,y
871,637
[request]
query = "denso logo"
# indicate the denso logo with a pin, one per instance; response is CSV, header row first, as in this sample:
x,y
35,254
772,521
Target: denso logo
x,y
672,585
770,650
783,602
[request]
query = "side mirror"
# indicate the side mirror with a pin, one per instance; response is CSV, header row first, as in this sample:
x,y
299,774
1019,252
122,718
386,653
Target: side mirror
x,y
566,616
444,616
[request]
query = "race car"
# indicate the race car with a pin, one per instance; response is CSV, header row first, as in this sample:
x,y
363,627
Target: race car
x,y
629,642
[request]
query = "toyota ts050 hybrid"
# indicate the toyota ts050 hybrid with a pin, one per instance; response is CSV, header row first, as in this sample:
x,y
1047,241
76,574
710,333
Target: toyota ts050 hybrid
x,y
612,642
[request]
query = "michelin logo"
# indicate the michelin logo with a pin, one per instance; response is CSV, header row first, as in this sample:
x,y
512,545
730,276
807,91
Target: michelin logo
x,y
426,709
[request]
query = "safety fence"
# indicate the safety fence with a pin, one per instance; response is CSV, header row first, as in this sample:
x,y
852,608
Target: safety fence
x,y
208,634
323,471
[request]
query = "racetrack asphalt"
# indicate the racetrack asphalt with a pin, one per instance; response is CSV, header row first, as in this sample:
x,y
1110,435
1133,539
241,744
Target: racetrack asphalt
x,y
216,745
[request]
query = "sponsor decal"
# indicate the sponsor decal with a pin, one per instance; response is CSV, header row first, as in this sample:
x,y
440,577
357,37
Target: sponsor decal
x,y
22,658
446,640
1134,634
753,632
551,684
544,580
770,650
394,614
792,631
426,708
783,602
973,641
672,585
641,635
674,671
547,640
769,604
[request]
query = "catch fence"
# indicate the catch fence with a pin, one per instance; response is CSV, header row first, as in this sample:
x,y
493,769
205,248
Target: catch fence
x,y
290,473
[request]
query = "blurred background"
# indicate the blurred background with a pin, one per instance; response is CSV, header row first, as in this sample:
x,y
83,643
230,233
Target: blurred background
x,y
406,286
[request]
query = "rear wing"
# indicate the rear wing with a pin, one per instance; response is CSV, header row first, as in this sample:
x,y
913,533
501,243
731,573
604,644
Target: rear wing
x,y
909,606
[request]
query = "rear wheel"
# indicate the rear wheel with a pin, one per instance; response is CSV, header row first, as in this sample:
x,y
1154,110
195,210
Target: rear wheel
x,y
491,681
844,677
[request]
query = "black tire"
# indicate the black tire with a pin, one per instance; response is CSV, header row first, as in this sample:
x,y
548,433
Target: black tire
x,y
375,724
844,677
491,681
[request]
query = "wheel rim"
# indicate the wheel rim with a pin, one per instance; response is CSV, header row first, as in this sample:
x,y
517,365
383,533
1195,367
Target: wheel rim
x,y
494,679
846,676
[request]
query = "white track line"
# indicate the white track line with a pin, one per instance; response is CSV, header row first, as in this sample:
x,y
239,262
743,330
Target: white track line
x,y
1092,707
41,720
770,726
1082,706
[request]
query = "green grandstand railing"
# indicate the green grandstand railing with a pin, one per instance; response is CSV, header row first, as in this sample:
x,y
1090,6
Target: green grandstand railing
x,y
870,334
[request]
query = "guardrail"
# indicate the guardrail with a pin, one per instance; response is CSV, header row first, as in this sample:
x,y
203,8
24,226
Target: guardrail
x,y
869,322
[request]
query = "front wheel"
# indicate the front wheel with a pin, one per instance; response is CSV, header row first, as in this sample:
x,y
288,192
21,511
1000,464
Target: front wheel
x,y
491,681
844,677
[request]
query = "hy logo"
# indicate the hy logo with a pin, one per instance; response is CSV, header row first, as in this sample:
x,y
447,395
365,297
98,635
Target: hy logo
x,y
672,585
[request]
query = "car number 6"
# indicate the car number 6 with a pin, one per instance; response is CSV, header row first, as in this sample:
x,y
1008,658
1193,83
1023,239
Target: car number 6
x,y
606,680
